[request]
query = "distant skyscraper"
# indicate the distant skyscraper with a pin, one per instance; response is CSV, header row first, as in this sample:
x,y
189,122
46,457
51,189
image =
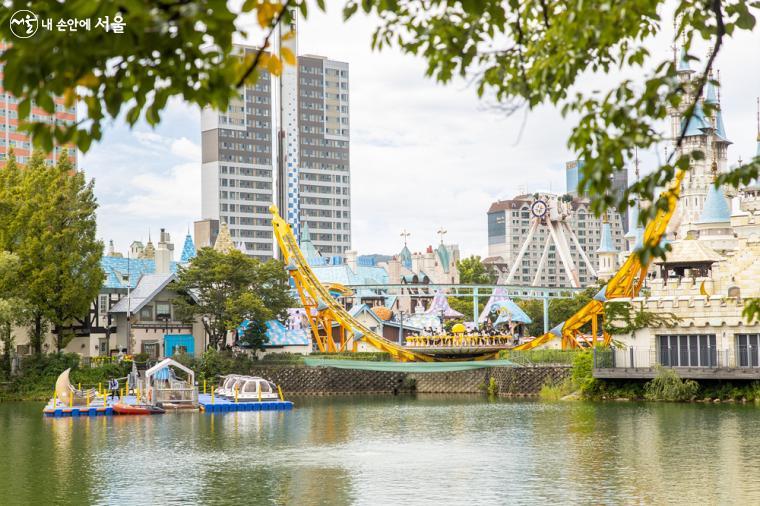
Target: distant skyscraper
x,y
572,177
300,161
21,142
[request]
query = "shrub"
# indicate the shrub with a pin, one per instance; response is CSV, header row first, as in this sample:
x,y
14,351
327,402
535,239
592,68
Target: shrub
x,y
668,386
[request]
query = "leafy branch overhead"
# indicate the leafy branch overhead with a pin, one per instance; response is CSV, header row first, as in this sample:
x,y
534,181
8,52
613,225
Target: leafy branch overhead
x,y
167,49
533,52
522,53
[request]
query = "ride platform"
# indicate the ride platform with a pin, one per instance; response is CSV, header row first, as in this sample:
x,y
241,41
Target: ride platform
x,y
222,405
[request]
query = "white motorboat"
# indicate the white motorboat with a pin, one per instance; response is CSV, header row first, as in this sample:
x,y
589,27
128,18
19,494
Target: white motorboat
x,y
257,389
226,385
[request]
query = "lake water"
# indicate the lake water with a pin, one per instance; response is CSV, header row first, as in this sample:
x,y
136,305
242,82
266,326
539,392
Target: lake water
x,y
388,450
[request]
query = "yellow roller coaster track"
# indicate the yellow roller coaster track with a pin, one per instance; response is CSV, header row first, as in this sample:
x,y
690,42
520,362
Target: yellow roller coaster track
x,y
323,311
626,282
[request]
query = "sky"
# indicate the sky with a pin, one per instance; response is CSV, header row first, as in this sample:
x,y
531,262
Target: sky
x,y
424,156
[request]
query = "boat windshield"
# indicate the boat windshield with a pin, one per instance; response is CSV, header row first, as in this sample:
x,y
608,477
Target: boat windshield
x,y
250,386
265,388
230,381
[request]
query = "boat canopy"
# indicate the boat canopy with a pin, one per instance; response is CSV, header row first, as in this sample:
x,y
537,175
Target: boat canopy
x,y
168,362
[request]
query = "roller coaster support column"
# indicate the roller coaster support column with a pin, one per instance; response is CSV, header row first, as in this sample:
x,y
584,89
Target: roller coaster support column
x,y
546,313
475,311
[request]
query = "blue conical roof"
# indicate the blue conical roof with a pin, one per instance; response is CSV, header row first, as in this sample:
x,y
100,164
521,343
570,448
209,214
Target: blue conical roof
x,y
711,97
716,208
633,222
721,130
405,255
444,256
307,247
188,250
697,122
606,245
683,63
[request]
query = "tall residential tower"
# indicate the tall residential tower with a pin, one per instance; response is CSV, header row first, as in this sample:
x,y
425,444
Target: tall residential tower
x,y
21,142
284,140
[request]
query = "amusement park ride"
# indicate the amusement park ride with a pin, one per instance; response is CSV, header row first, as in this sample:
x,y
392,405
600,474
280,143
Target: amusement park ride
x,y
327,315
552,212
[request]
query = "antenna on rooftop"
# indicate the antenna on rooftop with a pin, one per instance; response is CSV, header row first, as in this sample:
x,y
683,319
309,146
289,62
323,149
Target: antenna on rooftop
x,y
405,234
441,232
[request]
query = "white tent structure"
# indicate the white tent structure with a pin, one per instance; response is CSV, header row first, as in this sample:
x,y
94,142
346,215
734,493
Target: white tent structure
x,y
162,388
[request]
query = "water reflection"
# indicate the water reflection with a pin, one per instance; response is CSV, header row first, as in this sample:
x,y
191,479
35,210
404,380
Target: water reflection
x,y
387,450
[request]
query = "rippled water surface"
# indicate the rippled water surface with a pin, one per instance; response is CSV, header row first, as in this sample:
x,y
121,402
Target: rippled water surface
x,y
388,450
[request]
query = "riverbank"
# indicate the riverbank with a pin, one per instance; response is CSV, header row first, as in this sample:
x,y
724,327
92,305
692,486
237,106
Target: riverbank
x,y
36,376
546,374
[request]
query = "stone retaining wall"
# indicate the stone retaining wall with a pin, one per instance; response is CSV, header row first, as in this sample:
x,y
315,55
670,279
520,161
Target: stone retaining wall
x,y
510,381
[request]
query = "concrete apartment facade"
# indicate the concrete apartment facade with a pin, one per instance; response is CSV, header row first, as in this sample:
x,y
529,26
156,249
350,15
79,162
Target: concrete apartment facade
x,y
240,157
508,225
21,142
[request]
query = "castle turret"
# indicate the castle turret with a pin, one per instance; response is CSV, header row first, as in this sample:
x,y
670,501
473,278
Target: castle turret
x,y
224,242
606,253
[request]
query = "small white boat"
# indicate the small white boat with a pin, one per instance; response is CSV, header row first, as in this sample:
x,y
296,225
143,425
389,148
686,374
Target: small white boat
x,y
255,389
235,385
226,385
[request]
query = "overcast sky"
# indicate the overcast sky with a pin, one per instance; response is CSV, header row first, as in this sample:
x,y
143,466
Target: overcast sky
x,y
423,155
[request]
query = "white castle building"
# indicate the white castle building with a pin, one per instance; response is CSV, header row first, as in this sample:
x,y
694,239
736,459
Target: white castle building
x,y
714,264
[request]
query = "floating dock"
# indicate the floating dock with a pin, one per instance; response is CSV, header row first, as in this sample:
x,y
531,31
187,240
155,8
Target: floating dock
x,y
77,411
221,405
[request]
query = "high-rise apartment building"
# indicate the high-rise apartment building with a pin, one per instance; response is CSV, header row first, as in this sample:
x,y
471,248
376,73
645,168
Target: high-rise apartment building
x,y
619,183
283,140
21,142
509,222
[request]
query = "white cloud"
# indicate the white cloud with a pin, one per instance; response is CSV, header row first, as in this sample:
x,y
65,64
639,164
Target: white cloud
x,y
186,149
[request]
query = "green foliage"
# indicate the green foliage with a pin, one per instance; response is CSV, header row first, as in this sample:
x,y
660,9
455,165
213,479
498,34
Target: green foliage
x,y
559,309
167,49
472,271
528,54
50,229
493,388
668,386
230,287
552,391
623,318
38,374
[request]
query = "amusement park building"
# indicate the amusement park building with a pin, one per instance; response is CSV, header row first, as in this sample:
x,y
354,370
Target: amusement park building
x,y
308,109
509,222
714,263
433,266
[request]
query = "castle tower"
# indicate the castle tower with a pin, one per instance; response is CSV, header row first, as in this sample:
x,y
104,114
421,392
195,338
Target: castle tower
x,y
705,133
224,242
606,253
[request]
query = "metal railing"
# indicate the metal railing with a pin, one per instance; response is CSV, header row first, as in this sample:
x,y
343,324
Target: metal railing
x,y
175,395
708,357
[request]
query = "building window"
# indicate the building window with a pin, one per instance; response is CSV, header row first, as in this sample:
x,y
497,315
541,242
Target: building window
x,y
146,313
163,310
103,304
688,351
748,350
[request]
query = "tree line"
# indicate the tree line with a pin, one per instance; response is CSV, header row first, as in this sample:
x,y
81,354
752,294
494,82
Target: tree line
x,y
49,255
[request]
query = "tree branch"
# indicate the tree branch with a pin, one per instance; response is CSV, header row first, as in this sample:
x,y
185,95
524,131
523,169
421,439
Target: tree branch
x,y
257,58
720,31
